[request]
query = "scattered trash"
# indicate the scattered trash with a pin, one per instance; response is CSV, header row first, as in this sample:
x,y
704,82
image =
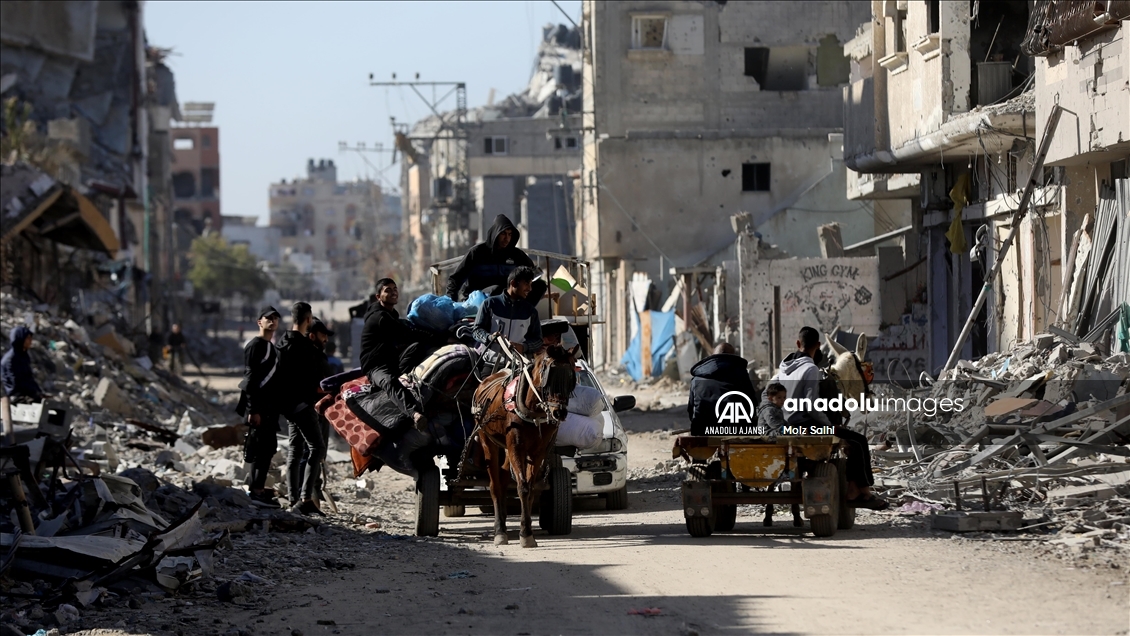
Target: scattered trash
x,y
461,574
646,611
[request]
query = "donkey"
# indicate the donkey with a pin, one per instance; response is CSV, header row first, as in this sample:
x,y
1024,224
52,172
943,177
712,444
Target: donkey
x,y
518,412
852,376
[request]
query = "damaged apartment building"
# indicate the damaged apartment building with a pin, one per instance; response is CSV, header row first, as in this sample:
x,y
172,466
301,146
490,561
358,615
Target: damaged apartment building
x,y
518,156
88,105
947,106
332,229
703,120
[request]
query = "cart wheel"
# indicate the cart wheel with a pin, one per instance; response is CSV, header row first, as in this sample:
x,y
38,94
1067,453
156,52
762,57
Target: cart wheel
x,y
701,526
617,499
846,519
725,517
427,503
455,511
556,513
825,525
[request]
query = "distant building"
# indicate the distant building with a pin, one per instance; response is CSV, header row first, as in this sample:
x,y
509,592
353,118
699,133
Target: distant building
x,y
196,177
262,241
335,224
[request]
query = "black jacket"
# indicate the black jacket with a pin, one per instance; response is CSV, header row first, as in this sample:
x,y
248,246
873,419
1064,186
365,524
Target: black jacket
x,y
383,339
15,368
484,266
710,378
260,378
302,366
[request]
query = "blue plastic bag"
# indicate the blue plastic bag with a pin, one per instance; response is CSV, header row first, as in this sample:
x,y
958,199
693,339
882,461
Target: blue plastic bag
x,y
431,312
469,307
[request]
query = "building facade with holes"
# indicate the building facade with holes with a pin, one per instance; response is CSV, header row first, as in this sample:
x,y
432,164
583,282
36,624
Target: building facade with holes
x,y
946,107
698,111
338,227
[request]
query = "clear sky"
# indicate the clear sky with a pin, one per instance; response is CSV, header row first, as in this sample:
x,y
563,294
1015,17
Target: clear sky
x,y
291,79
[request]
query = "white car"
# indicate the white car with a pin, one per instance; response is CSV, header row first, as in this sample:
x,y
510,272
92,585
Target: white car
x,y
602,470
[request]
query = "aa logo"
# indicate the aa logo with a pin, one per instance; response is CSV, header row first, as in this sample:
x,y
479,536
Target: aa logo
x,y
734,407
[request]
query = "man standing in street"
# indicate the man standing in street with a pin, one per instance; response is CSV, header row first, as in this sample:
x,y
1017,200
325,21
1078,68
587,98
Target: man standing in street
x,y
302,367
258,403
383,340
176,344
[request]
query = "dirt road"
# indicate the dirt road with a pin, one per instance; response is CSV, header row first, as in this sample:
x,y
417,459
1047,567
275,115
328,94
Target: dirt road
x,y
888,575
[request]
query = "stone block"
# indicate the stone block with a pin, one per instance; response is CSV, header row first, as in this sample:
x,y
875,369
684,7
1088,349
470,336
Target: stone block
x,y
1044,341
108,396
74,132
952,521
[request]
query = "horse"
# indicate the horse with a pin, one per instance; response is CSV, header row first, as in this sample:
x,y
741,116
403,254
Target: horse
x,y
517,415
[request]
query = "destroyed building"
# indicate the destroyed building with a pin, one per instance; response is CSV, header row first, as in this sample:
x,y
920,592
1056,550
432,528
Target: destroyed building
x,y
945,110
91,101
699,111
518,157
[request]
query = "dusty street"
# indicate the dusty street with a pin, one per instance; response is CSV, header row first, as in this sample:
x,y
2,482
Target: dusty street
x,y
891,574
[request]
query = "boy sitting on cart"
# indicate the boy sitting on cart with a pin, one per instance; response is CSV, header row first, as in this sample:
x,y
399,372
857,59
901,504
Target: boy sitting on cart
x,y
508,315
801,377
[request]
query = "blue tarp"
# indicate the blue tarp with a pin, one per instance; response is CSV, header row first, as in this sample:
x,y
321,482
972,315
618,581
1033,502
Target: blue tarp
x,y
662,340
438,313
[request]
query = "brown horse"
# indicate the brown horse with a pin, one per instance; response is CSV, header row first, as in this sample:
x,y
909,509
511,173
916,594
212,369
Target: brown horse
x,y
518,412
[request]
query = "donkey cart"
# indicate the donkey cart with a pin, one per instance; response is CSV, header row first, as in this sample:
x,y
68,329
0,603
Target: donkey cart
x,y
724,472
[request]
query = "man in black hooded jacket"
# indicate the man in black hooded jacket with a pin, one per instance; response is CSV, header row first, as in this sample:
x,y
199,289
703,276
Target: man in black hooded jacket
x,y
711,378
488,264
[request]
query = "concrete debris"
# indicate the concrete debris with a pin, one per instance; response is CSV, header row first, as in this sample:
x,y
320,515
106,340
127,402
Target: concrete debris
x,y
1039,447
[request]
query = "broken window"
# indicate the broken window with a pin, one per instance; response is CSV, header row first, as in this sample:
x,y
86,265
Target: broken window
x,y
900,31
832,66
184,185
560,143
755,177
183,143
209,182
780,68
933,16
649,32
495,145
206,141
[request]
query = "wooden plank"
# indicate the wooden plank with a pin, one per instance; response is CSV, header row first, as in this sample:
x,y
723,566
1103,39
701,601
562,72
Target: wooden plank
x,y
645,343
1017,438
1117,427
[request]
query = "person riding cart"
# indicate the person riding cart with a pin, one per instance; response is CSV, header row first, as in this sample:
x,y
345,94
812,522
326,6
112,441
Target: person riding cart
x,y
487,265
385,343
801,377
511,316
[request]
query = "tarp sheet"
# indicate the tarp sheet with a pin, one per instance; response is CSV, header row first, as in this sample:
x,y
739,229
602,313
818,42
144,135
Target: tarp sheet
x,y
662,340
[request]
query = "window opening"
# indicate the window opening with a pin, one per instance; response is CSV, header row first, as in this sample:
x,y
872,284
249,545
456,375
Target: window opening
x,y
649,32
183,143
755,177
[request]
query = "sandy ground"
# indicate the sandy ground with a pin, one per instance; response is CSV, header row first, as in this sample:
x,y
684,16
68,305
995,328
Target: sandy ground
x,y
891,574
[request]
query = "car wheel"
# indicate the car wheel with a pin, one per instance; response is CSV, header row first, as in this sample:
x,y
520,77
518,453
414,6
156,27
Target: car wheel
x,y
617,499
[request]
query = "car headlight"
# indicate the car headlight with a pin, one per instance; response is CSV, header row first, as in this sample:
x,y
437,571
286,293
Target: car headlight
x,y
615,445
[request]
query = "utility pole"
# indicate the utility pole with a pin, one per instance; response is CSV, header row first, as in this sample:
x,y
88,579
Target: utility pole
x,y
451,194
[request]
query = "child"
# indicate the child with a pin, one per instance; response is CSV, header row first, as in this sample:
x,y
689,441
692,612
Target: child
x,y
770,417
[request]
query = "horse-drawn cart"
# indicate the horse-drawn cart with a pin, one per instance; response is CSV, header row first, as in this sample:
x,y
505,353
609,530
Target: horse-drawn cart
x,y
442,486
724,472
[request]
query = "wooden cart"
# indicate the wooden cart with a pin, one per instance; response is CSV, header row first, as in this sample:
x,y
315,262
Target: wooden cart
x,y
727,471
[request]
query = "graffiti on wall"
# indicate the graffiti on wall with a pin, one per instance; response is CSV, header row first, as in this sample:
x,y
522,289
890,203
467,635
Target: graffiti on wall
x,y
831,295
899,352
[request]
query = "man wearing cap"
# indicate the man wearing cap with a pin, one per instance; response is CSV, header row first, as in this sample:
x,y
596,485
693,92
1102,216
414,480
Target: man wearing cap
x,y
302,366
258,402
383,341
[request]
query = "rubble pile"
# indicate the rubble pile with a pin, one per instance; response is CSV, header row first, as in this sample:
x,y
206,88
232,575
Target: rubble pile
x,y
1040,445
122,485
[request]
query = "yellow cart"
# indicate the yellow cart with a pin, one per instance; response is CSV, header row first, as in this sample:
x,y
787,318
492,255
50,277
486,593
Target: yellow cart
x,y
725,472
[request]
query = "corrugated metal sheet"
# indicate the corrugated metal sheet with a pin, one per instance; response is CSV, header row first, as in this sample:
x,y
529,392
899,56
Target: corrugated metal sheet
x,y
1054,24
